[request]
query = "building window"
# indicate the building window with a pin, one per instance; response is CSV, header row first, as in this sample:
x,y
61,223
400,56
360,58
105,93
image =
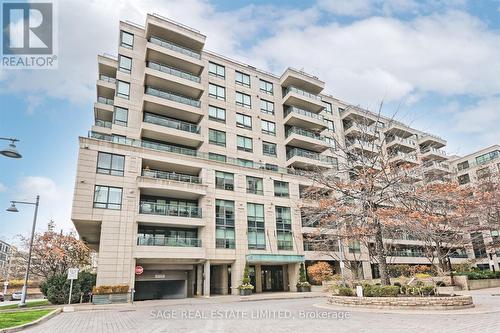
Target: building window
x,y
124,64
107,197
123,89
271,167
217,157
266,87
243,100
266,106
217,137
245,163
224,180
284,228
243,121
463,165
281,189
244,143
256,226
268,127
110,164
216,70
243,79
224,224
487,157
126,39
330,125
483,173
354,247
269,148
216,91
217,114
120,116
341,110
255,185
328,107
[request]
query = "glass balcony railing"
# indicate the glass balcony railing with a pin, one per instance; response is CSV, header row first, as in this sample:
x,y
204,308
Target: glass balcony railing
x,y
405,254
364,129
175,47
105,100
301,92
397,139
168,148
401,155
309,154
434,164
433,151
171,176
103,123
171,123
303,132
168,241
458,255
169,210
106,78
172,96
302,112
172,71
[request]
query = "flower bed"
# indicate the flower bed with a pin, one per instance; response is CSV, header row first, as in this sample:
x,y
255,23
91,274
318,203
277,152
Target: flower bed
x,y
404,302
110,294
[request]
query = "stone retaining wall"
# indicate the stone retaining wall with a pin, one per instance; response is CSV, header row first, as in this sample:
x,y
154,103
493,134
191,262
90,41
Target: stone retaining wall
x,y
435,303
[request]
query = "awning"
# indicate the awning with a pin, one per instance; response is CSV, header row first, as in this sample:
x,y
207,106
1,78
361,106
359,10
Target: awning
x,y
274,258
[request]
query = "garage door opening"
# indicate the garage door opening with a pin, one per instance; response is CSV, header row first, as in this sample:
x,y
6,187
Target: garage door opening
x,y
167,289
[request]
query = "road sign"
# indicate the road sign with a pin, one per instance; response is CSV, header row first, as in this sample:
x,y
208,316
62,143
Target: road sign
x,y
72,273
6,283
139,270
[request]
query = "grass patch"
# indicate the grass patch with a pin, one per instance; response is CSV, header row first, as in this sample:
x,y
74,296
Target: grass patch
x,y
28,304
11,319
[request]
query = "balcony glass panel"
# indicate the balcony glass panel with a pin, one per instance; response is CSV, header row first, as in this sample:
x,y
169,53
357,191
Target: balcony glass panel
x,y
172,96
175,47
301,92
169,210
168,241
171,123
171,176
172,71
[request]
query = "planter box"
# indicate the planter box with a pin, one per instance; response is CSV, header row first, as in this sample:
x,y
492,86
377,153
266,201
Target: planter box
x,y
447,290
304,289
245,292
110,298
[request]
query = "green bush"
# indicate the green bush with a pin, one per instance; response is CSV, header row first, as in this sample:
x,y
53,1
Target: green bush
x,y
345,291
380,291
480,275
427,290
56,288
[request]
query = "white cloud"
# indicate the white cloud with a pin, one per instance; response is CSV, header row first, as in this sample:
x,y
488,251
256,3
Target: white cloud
x,y
3,188
347,7
481,120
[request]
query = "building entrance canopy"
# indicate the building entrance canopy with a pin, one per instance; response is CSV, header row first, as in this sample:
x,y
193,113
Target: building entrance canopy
x,y
275,258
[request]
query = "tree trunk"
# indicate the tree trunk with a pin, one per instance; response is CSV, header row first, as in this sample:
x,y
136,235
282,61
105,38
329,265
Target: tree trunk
x,y
380,253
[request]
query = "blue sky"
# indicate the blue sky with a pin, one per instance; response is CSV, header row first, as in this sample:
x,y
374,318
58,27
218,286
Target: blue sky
x,y
435,63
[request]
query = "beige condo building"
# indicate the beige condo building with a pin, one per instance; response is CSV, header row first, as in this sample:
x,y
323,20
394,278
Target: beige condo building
x,y
189,168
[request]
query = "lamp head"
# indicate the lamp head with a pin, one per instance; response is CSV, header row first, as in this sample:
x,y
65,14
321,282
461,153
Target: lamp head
x,y
11,151
12,208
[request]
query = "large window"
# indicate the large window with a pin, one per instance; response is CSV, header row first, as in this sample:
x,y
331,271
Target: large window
x,y
463,179
243,100
284,228
224,224
217,157
268,127
266,86
126,39
268,148
487,157
242,79
110,164
120,116
224,180
123,89
328,107
463,165
217,137
266,106
124,64
281,189
107,197
255,185
244,143
217,114
243,121
330,124
216,91
256,226
272,167
216,70
245,163
354,246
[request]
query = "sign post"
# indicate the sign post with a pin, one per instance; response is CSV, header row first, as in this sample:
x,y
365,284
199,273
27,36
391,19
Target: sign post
x,y
72,275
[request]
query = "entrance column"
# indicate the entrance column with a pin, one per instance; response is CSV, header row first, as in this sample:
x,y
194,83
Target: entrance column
x,y
286,278
235,273
224,280
367,270
258,278
293,274
206,280
199,279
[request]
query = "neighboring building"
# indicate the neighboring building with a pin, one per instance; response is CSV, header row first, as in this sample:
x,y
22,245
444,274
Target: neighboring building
x,y
5,253
188,170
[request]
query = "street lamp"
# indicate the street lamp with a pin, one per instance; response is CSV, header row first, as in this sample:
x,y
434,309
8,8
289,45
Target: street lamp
x,y
11,150
13,209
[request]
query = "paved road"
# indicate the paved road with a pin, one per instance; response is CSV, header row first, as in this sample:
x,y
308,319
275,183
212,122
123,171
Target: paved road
x,y
267,316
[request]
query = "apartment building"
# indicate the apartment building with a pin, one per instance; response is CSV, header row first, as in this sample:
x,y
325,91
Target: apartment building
x,y
5,253
189,171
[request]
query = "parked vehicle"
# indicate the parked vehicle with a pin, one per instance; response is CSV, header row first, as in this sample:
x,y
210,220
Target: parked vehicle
x,y
2,298
16,296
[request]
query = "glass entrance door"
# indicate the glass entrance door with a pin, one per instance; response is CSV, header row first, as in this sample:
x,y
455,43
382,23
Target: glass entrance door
x,y
272,278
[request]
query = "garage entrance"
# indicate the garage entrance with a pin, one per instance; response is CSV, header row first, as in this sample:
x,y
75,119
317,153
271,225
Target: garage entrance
x,y
168,289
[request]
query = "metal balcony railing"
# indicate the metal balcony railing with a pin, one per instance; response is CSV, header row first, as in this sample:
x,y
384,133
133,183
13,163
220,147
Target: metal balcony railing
x,y
169,210
308,154
171,176
168,241
171,123
302,112
173,71
172,96
175,47
301,92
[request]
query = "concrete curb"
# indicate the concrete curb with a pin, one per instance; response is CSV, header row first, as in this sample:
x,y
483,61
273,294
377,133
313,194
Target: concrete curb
x,y
33,323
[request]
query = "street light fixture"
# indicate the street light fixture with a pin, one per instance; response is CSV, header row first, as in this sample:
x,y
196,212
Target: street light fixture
x,y
11,150
13,209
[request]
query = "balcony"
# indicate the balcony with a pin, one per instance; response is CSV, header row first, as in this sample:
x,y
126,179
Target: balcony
x,y
356,130
305,159
400,158
436,167
362,147
302,99
172,79
430,153
172,130
169,248
401,144
173,215
103,123
397,128
173,54
172,105
302,80
171,184
429,140
302,138
168,241
160,26
302,118
358,115
106,82
103,108
403,253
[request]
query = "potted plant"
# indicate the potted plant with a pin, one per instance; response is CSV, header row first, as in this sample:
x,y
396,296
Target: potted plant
x,y
303,285
245,287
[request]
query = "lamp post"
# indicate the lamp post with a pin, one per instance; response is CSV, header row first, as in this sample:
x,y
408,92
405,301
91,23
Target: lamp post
x,y
11,150
13,209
